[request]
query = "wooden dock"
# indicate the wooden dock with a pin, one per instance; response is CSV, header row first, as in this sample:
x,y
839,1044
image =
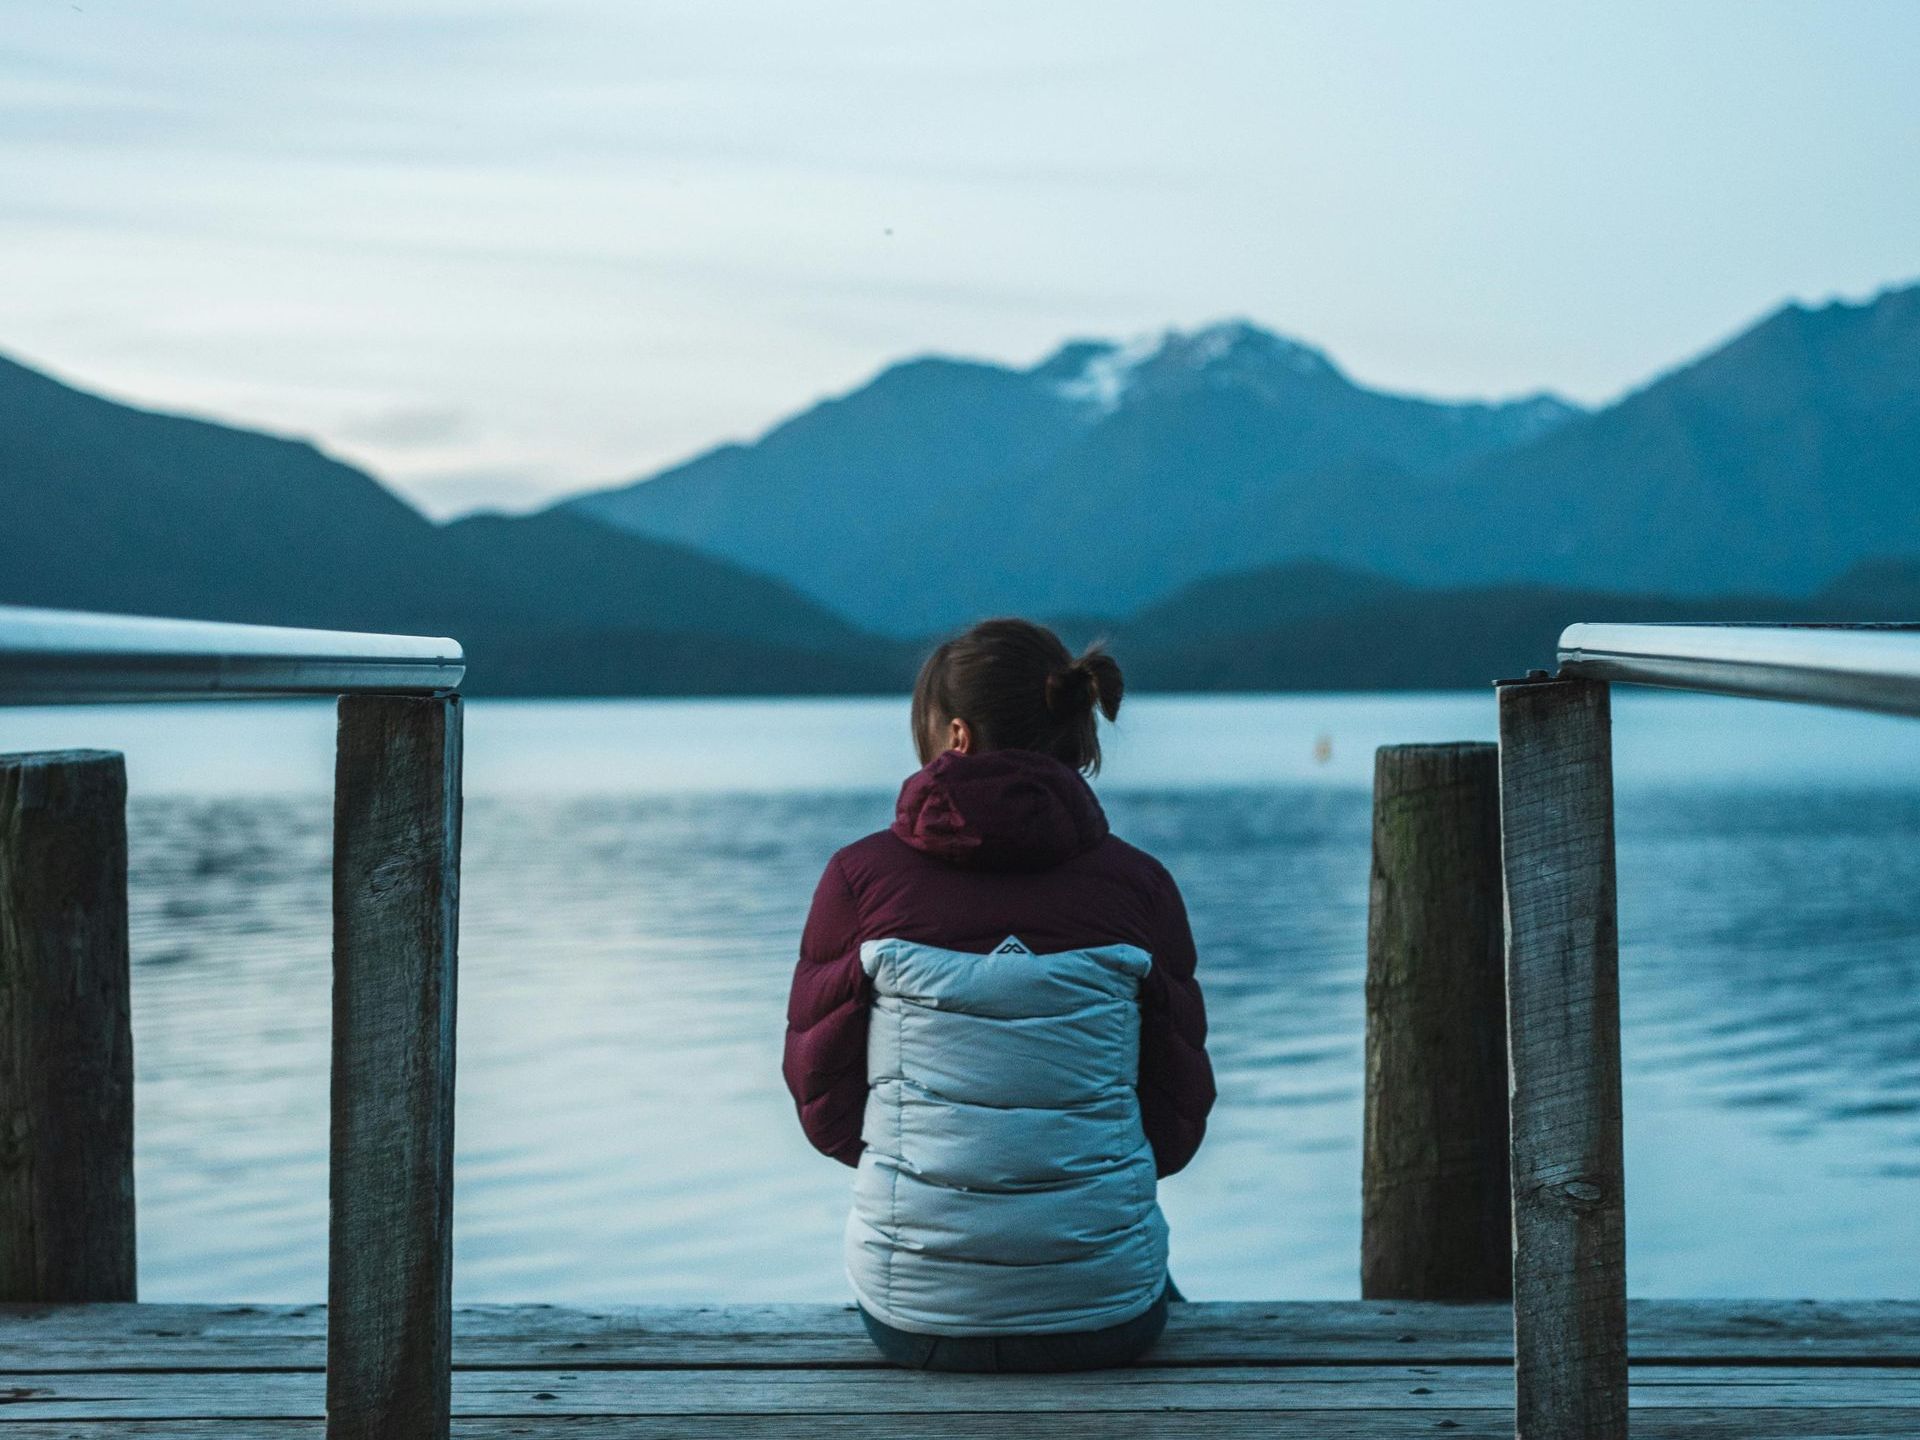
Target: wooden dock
x,y
1754,1370
1493,1250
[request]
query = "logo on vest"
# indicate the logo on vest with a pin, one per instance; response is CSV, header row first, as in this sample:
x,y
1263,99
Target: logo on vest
x,y
1010,946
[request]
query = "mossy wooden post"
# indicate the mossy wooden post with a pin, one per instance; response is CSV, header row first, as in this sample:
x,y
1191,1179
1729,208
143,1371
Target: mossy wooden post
x,y
66,1035
396,887
1435,1201
1563,1033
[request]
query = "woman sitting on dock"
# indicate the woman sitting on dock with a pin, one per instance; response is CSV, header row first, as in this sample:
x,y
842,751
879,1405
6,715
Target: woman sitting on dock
x,y
995,1019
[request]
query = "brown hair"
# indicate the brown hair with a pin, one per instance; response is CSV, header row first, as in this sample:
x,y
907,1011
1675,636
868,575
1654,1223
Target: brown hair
x,y
1018,688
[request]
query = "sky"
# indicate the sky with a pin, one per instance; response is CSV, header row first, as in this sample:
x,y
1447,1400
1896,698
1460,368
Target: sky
x,y
501,250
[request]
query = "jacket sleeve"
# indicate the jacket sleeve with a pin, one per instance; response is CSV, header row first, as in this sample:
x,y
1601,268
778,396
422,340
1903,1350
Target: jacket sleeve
x,y
1176,1077
826,1051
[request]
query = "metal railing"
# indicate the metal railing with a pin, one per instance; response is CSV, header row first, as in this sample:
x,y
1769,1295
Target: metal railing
x,y
396,889
1862,667
50,657
1562,966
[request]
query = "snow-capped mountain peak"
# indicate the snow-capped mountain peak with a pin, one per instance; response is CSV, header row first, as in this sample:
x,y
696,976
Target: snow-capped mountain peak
x,y
1103,374
1240,342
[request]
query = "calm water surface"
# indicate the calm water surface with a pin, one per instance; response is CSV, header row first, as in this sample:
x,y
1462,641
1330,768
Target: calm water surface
x,y
636,873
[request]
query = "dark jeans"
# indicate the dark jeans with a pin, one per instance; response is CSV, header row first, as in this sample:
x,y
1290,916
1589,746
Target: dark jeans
x,y
1026,1354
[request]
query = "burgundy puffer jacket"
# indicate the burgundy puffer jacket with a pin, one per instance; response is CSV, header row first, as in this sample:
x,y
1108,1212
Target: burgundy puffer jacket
x,y
983,847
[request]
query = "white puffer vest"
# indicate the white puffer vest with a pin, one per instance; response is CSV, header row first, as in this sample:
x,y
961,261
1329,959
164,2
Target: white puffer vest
x,y
1007,1186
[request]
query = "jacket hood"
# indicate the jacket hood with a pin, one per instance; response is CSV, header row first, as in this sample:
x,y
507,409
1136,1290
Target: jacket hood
x,y
1002,810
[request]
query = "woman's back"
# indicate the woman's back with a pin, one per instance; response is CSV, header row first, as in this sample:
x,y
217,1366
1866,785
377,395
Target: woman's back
x,y
995,1017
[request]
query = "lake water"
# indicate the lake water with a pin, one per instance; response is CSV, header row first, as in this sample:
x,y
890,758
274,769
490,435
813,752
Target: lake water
x,y
636,873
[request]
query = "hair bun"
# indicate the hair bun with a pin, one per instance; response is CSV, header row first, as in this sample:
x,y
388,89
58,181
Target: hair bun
x,y
1089,682
1071,692
1104,685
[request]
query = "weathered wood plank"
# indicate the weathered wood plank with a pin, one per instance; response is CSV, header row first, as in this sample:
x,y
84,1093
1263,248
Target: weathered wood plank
x,y
1563,1018
280,1337
395,915
539,1394
1831,1423
1436,1209
66,1035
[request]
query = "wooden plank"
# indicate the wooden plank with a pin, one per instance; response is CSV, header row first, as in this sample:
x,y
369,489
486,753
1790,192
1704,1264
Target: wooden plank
x,y
1436,1208
280,1337
396,884
1563,1037
1830,1423
66,1034
541,1394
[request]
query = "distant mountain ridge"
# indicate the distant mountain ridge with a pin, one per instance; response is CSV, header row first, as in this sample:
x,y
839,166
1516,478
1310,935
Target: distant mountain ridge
x,y
1097,480
1318,627
108,507
1110,475
1775,462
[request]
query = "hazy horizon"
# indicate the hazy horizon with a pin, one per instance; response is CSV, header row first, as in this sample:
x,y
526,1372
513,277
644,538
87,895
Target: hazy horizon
x,y
497,253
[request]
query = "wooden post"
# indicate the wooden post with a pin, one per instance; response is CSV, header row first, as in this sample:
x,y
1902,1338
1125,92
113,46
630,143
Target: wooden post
x,y
66,1035
1436,1208
1563,1034
396,885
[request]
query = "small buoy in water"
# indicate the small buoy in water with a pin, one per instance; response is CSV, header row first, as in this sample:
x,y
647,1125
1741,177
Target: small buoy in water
x,y
1322,749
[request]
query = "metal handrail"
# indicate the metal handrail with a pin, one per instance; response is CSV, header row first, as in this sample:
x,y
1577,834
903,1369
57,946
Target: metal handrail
x,y
396,910
60,657
1860,667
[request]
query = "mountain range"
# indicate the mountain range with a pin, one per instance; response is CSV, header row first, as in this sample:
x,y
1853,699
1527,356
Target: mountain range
x,y
108,507
1107,476
1228,505
1099,480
